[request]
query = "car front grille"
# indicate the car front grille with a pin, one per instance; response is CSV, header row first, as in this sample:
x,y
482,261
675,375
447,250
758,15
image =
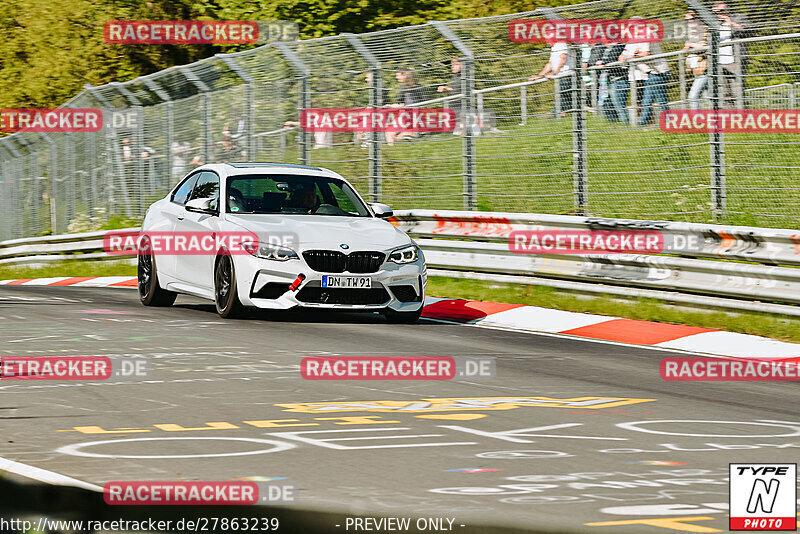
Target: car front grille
x,y
333,261
326,295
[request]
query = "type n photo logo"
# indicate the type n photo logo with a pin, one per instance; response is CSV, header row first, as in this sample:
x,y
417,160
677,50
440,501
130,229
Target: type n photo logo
x,y
763,497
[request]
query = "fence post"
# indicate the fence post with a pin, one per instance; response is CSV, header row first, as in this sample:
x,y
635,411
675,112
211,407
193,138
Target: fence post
x,y
580,156
111,151
169,125
54,182
304,102
208,153
16,187
682,77
632,113
468,99
737,69
716,139
249,106
375,101
523,104
138,145
91,197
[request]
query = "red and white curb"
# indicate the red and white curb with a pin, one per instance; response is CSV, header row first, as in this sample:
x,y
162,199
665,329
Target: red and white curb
x,y
521,318
78,281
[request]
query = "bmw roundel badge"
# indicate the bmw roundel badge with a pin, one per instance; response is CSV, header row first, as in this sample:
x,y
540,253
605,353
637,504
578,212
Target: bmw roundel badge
x,y
345,246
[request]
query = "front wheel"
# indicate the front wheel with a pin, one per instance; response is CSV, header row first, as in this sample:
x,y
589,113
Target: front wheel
x,y
225,294
403,317
150,293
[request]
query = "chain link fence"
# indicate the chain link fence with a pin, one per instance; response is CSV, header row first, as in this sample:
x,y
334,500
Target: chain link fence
x,y
581,142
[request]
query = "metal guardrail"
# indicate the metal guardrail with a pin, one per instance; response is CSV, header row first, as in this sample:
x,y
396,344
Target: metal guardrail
x,y
747,263
732,261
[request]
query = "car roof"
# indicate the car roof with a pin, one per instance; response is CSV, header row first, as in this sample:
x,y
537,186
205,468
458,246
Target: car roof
x,y
238,169
260,164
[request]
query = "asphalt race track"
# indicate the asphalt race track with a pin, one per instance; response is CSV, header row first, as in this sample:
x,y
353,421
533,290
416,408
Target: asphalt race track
x,y
643,455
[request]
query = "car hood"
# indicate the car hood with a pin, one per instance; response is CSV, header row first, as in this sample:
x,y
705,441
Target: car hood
x,y
315,231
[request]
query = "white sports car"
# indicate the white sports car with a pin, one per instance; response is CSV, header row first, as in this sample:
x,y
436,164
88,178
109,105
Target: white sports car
x,y
319,245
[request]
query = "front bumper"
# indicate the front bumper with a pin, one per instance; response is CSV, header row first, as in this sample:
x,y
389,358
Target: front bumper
x,y
265,284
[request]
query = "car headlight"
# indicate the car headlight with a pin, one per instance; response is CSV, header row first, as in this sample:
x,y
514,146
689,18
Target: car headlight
x,y
408,254
270,251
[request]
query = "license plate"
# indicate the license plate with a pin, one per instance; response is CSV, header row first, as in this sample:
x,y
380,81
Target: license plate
x,y
352,282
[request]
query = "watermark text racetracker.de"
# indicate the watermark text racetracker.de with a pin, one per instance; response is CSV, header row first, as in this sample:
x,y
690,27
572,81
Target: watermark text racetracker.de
x,y
122,242
423,120
208,493
45,120
396,367
714,370
730,121
216,32
72,368
586,31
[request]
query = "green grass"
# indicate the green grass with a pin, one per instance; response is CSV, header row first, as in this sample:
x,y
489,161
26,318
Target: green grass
x,y
785,328
632,172
69,268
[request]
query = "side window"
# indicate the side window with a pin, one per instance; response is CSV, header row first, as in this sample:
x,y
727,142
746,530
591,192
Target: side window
x,y
207,187
181,195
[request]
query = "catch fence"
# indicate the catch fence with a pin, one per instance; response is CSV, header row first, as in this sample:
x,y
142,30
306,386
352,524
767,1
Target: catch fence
x,y
569,145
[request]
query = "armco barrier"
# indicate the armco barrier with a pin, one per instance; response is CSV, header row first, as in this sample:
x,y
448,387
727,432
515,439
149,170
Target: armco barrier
x,y
746,263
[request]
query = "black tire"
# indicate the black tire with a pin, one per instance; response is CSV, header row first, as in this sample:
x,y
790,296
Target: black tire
x,y
402,317
150,293
225,295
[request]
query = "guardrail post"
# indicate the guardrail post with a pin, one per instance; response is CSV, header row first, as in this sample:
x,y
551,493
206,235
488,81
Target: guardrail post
x,y
304,102
249,103
375,101
112,150
716,139
468,107
169,126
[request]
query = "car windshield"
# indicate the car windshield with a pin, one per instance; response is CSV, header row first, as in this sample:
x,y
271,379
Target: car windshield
x,y
293,195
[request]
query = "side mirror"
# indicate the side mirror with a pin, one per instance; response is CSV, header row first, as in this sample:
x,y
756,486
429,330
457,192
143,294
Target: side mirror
x,y
200,205
381,210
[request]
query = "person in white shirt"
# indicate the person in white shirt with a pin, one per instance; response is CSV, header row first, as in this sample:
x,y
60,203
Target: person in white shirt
x,y
731,88
561,63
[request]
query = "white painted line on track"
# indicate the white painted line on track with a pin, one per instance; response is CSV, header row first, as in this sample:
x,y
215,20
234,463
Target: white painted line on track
x,y
43,475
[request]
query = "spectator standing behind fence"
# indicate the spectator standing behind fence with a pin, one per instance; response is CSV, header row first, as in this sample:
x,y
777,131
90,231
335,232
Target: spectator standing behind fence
x,y
617,80
454,89
640,70
409,94
178,159
731,88
696,61
655,87
560,63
